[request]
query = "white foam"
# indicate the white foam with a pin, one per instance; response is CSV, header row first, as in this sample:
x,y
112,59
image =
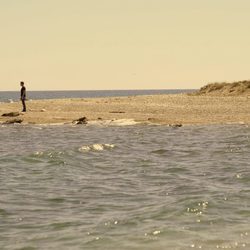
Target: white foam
x,y
96,147
38,153
84,148
109,145
118,122
10,101
50,124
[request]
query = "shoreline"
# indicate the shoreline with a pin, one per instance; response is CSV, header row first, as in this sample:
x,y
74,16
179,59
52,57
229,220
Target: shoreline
x,y
170,109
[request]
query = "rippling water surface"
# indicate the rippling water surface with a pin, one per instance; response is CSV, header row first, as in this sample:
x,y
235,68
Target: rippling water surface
x,y
8,96
134,187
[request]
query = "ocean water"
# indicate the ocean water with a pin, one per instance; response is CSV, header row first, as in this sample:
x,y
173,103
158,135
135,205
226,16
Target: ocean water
x,y
7,96
124,187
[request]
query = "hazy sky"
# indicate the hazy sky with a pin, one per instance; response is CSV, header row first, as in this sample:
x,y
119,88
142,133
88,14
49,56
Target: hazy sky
x,y
123,44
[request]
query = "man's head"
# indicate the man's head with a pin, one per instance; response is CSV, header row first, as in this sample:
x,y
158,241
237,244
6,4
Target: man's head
x,y
22,84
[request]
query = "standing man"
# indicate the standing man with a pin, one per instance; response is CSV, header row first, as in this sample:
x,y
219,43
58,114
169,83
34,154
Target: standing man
x,y
23,95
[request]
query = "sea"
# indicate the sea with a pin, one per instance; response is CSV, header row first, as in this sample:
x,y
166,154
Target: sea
x,y
124,187
9,96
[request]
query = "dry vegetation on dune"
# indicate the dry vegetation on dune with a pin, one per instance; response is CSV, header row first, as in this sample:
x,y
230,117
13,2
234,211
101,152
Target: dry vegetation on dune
x,y
226,89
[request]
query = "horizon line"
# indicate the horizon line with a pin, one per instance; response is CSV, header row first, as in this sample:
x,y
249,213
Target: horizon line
x,y
99,89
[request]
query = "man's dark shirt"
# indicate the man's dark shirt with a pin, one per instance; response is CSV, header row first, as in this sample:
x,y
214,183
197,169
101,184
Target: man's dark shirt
x,y
23,93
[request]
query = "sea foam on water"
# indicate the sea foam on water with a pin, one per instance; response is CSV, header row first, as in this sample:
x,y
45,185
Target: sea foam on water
x,y
96,147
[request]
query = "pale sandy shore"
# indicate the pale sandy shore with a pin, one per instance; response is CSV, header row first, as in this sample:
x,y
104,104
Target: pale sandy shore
x,y
161,109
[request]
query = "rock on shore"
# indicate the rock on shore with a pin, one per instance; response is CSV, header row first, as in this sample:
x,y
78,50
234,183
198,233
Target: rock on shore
x,y
13,121
82,120
11,114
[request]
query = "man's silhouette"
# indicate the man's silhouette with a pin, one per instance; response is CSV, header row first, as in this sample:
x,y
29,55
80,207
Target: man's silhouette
x,y
23,95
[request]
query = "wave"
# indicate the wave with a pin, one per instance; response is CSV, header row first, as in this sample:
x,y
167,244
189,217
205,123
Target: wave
x,y
96,147
118,122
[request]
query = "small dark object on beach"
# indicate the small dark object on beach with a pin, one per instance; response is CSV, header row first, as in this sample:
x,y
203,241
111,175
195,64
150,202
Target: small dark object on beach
x,y
117,112
99,118
13,121
11,114
175,125
82,120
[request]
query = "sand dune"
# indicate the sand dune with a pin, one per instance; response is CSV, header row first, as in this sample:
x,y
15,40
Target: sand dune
x,y
241,88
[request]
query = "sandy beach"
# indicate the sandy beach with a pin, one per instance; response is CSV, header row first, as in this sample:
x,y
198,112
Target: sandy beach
x,y
161,109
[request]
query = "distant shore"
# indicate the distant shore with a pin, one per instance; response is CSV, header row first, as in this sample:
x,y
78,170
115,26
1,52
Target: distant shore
x,y
174,109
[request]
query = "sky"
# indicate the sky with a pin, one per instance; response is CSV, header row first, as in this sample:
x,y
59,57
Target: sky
x,y
123,44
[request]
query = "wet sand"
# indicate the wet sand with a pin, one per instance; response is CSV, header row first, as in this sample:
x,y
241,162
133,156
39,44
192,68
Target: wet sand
x,y
161,109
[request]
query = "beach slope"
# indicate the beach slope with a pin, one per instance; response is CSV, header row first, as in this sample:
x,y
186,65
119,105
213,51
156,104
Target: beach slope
x,y
161,109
